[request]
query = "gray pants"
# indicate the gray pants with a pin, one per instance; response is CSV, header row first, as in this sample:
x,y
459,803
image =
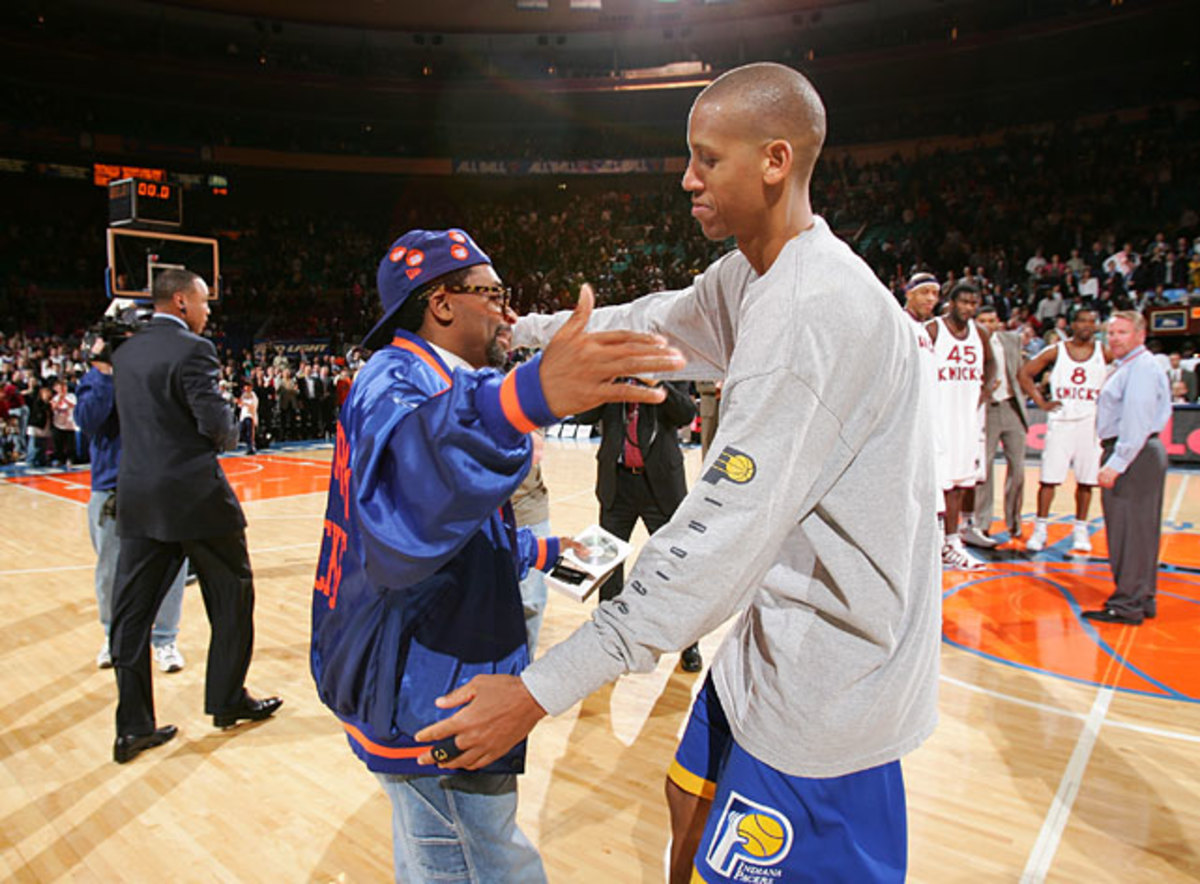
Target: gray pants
x,y
1133,520
1004,425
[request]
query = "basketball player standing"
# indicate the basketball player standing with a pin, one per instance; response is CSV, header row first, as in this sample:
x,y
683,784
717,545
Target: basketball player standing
x,y
1078,367
965,366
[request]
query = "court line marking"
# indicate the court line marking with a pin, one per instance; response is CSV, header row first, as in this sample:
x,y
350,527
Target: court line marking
x,y
1178,502
82,503
1067,713
1055,822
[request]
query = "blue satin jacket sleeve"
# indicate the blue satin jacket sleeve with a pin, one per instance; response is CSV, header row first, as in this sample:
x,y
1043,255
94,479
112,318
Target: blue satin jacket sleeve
x,y
431,463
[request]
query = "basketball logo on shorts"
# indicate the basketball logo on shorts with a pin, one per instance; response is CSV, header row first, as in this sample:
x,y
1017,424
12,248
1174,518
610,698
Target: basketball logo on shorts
x,y
748,836
733,465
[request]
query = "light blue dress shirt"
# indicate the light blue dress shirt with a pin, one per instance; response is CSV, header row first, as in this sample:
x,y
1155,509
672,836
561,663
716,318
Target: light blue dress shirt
x,y
1135,402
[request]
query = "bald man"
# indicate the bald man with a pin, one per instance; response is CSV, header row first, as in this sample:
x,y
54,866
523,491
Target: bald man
x,y
789,765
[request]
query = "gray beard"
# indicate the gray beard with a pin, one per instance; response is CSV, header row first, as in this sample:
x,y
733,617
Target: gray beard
x,y
497,356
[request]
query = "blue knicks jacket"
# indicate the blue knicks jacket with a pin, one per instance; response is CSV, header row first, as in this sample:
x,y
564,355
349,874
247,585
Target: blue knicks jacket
x,y
417,587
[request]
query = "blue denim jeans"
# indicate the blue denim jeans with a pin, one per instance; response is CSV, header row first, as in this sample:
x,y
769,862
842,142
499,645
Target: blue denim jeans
x,y
106,543
533,593
461,829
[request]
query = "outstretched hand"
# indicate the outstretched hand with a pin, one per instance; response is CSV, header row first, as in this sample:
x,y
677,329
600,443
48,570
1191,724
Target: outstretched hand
x,y
579,367
499,712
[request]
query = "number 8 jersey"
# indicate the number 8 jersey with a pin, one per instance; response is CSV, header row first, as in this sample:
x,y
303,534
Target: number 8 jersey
x,y
1076,384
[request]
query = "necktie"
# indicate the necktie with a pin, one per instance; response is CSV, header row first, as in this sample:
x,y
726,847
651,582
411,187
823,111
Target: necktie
x,y
632,454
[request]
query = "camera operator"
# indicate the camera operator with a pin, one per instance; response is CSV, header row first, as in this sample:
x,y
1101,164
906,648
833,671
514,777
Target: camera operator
x,y
173,501
96,415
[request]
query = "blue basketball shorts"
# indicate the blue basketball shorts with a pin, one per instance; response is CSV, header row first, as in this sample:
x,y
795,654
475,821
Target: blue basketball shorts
x,y
766,826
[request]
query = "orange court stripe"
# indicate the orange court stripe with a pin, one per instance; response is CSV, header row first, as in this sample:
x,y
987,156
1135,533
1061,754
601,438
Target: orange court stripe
x,y
511,403
406,344
383,751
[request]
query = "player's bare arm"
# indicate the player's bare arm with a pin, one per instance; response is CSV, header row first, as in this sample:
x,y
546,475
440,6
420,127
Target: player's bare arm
x,y
1033,369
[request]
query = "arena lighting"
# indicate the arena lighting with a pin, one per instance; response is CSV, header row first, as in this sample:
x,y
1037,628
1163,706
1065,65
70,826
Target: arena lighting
x,y
674,84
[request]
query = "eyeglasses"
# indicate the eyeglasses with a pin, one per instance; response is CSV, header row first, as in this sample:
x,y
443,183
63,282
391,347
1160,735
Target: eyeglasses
x,y
498,296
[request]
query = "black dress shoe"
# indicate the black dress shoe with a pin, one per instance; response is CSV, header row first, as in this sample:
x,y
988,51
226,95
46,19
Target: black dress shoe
x,y
691,660
249,710
1111,615
128,746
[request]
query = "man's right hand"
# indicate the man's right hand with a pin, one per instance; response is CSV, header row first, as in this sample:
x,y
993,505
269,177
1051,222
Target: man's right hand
x,y
579,368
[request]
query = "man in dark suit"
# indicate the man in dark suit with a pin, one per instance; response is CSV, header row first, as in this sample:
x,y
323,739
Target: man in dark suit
x,y
639,473
173,501
1176,373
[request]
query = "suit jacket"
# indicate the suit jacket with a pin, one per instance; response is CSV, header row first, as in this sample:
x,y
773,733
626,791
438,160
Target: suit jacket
x,y
173,423
1010,343
657,439
1189,381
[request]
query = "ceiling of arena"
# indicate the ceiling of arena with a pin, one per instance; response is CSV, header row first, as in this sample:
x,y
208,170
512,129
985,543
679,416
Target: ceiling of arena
x,y
522,16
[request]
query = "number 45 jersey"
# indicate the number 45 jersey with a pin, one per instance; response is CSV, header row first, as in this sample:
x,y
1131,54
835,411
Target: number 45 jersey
x,y
959,366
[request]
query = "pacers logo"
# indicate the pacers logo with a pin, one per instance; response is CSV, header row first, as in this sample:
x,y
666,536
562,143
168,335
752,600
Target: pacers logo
x,y
748,840
732,465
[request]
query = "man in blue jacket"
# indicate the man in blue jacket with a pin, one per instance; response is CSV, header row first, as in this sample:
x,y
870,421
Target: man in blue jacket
x,y
96,415
417,586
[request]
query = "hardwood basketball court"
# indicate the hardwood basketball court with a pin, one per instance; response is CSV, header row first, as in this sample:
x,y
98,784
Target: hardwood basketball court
x,y
1066,752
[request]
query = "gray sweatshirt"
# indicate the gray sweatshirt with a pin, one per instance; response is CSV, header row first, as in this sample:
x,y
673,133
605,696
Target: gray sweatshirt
x,y
814,519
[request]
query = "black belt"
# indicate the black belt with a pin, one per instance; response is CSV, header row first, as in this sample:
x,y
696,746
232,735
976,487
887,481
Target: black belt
x,y
1112,440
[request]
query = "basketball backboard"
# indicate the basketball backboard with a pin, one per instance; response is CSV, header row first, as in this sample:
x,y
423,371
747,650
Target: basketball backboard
x,y
136,257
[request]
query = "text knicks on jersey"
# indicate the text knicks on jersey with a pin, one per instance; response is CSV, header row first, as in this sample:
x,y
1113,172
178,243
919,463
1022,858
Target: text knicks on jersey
x,y
966,365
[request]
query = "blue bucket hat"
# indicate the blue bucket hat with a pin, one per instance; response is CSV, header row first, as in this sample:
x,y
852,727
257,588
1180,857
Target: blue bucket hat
x,y
416,259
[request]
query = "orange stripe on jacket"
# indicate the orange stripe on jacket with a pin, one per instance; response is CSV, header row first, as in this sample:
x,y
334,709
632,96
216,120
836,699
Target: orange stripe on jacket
x,y
511,403
406,344
383,751
542,547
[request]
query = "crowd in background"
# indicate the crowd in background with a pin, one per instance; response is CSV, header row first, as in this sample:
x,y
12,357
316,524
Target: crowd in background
x,y
1043,222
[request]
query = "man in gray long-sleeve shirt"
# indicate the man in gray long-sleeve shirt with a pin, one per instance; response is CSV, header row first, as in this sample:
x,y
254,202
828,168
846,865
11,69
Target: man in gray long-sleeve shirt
x,y
1135,405
815,517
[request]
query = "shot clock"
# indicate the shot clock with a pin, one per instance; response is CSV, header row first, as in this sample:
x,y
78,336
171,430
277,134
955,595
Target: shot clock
x,y
136,203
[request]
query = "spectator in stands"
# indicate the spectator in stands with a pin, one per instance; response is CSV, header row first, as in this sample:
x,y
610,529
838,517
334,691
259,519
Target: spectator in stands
x,y
1185,378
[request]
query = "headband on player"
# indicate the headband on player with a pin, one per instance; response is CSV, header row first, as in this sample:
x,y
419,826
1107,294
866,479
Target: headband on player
x,y
921,279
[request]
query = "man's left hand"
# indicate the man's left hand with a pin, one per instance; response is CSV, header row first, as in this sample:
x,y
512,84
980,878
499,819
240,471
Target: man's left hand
x,y
1107,477
498,713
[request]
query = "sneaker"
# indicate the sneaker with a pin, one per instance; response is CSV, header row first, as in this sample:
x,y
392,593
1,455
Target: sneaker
x,y
104,658
1037,541
168,657
955,559
1081,542
972,536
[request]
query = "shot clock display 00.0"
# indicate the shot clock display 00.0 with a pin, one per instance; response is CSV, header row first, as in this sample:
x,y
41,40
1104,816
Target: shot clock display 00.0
x,y
135,202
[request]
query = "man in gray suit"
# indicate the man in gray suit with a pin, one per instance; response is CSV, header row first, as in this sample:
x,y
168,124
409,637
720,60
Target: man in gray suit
x,y
1007,423
173,501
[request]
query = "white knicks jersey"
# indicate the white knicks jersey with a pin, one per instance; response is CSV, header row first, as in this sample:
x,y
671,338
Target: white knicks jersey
x,y
1076,384
959,367
925,346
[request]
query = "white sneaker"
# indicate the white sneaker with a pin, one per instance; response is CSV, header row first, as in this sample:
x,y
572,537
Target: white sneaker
x,y
956,559
974,537
168,657
1081,542
1037,541
104,658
